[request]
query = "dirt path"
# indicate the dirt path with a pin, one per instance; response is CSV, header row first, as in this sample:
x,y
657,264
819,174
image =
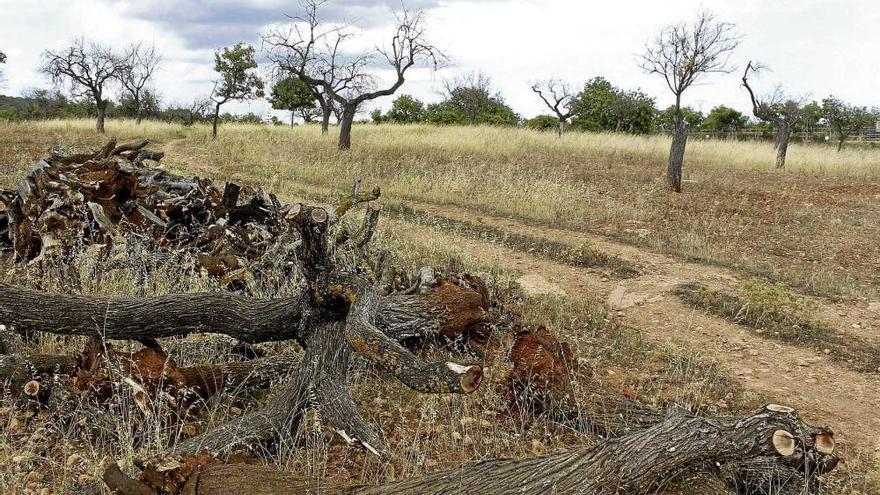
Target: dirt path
x,y
826,392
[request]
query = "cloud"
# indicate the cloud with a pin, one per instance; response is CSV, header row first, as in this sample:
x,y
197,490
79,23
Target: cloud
x,y
815,47
212,24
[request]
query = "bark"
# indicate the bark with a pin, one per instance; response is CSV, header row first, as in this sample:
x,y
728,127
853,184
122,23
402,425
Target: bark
x,y
639,463
676,154
244,318
783,137
348,113
215,121
446,310
326,110
102,110
19,369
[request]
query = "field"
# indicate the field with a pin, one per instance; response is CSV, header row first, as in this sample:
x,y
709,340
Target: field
x,y
686,298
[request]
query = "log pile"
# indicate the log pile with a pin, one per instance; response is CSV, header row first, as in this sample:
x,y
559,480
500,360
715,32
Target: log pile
x,y
115,193
339,314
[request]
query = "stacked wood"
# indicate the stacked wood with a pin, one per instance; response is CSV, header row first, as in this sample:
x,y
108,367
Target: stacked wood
x,y
67,202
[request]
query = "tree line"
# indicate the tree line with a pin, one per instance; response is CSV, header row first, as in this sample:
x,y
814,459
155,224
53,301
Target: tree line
x,y
315,75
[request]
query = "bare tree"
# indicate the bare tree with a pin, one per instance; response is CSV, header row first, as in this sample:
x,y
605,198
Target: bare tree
x,y
314,52
783,112
142,62
682,54
88,67
197,110
559,98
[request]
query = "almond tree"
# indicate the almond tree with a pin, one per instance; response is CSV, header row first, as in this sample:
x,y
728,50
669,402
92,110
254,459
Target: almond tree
x,y
237,80
845,119
683,54
142,62
783,112
559,98
315,53
88,68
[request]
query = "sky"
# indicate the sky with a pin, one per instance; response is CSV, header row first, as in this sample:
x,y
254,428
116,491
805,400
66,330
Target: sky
x,y
813,47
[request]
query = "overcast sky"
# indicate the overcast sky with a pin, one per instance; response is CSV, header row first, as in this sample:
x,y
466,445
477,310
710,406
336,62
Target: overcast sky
x,y
814,47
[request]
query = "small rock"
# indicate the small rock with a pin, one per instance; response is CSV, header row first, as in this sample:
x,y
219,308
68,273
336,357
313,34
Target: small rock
x,y
826,351
456,436
536,285
467,420
234,411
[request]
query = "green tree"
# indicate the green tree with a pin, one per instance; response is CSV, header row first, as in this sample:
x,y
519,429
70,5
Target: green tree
x,y
601,106
543,123
292,94
692,118
812,117
469,101
722,118
236,67
406,110
845,119
593,104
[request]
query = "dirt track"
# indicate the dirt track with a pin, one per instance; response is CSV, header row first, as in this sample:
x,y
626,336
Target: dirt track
x,y
823,390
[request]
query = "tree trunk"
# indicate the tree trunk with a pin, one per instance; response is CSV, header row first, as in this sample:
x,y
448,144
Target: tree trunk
x,y
784,135
840,141
348,113
137,115
292,115
216,120
782,453
102,110
326,110
561,127
676,154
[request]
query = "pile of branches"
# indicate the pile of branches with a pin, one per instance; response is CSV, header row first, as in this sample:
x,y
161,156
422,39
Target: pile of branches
x,y
116,193
339,313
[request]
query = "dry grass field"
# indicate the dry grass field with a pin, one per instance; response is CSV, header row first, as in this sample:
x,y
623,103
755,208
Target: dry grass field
x,y
576,233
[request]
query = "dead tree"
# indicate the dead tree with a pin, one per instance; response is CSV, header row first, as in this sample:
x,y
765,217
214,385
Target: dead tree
x,y
784,113
558,98
142,62
682,55
315,53
88,67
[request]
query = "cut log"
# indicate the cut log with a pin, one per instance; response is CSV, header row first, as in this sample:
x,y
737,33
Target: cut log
x,y
635,464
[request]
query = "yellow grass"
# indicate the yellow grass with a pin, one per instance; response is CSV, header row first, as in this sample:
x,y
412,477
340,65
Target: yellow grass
x,y
812,225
